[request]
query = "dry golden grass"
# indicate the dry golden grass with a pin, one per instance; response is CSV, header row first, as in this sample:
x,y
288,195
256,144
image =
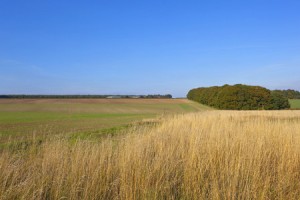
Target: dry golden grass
x,y
209,155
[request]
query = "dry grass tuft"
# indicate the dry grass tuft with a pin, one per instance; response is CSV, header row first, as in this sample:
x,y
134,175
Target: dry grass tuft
x,y
210,155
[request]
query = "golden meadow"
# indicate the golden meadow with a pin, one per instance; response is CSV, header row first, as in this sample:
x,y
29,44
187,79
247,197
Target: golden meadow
x,y
204,155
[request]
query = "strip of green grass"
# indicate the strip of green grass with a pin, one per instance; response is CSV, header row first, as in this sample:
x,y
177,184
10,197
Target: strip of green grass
x,y
15,117
187,107
24,124
295,103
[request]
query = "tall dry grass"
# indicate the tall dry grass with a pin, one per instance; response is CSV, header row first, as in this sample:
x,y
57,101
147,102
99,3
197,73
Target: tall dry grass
x,y
210,155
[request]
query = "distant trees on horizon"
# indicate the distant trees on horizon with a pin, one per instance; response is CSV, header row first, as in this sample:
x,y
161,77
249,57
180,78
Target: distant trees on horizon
x,y
239,97
150,96
290,94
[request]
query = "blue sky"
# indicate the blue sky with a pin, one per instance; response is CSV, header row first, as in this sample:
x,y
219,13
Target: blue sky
x,y
146,47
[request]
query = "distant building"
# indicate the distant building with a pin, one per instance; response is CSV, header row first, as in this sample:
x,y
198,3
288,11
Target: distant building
x,y
113,97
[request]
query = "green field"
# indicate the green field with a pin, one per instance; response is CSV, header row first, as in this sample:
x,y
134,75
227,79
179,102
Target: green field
x,y
295,103
22,118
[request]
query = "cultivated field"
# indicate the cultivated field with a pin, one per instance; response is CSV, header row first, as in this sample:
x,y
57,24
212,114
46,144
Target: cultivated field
x,y
295,103
206,155
80,117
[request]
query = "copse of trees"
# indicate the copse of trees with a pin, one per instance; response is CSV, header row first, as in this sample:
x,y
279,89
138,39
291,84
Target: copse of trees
x,y
239,97
279,101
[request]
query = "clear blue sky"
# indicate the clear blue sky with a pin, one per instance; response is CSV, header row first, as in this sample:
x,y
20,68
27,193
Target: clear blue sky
x,y
142,47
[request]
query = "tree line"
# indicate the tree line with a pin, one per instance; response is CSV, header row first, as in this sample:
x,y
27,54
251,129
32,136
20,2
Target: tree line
x,y
150,96
239,97
290,94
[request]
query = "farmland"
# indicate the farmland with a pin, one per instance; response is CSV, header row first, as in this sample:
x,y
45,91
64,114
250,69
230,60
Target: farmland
x,y
295,103
204,155
151,149
21,118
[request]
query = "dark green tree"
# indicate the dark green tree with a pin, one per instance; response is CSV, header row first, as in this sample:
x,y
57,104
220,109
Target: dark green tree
x,y
238,97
